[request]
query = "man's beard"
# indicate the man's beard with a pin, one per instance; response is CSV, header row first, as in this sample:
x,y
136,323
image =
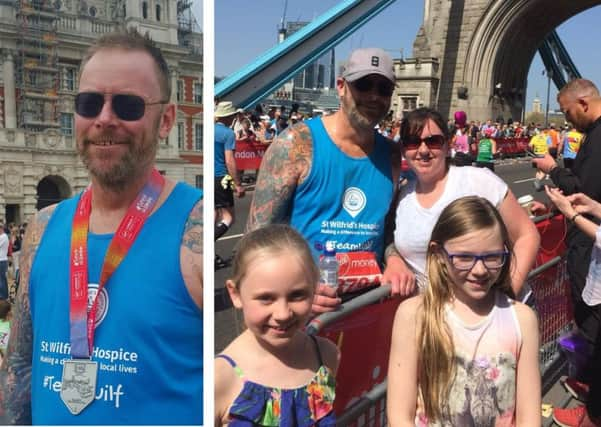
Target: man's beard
x,y
355,116
125,170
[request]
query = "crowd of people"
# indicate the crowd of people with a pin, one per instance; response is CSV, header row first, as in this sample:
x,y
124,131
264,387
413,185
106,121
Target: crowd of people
x,y
455,245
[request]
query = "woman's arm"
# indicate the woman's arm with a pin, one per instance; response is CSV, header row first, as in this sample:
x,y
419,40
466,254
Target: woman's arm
x,y
528,380
401,400
573,206
525,238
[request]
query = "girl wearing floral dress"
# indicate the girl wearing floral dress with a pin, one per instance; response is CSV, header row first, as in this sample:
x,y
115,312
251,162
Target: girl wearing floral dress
x,y
464,353
274,373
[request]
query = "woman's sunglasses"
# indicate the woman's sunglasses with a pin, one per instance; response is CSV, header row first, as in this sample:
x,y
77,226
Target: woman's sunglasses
x,y
433,142
366,84
126,107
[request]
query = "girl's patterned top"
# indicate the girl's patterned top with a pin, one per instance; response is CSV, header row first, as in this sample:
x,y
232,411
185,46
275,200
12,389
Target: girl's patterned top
x,y
308,405
483,390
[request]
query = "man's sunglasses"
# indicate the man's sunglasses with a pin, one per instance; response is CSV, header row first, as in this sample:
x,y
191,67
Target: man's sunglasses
x,y
433,142
126,107
366,84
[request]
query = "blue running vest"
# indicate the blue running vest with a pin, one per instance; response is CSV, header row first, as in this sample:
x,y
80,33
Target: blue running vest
x,y
148,339
344,199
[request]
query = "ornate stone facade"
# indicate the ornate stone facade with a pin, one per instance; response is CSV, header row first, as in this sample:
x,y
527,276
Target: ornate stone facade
x,y
32,160
484,49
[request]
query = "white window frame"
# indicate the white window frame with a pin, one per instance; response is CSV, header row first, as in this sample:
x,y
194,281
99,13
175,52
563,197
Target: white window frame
x,y
66,130
181,135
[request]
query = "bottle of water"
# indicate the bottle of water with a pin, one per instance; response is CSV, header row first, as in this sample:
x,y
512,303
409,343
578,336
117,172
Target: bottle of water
x,y
328,266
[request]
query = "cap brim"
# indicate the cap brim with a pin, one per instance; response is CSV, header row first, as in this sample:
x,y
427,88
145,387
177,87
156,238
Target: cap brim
x,y
351,77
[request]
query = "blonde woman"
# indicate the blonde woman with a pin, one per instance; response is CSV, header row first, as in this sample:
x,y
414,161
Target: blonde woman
x,y
464,352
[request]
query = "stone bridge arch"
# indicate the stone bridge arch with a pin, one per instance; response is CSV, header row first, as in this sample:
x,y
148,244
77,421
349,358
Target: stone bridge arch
x,y
487,47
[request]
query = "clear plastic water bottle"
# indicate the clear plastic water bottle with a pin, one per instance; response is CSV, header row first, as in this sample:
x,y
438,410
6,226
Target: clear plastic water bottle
x,y
328,266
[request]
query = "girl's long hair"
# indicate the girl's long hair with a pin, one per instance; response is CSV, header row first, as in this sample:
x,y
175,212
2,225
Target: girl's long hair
x,y
436,369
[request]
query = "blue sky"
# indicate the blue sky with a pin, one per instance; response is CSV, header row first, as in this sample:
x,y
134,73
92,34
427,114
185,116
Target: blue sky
x,y
244,29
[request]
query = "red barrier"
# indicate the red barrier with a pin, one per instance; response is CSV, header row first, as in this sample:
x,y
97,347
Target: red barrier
x,y
364,342
512,146
509,146
248,155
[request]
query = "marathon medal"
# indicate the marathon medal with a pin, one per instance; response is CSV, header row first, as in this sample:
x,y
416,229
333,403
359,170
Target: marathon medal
x,y
80,373
78,384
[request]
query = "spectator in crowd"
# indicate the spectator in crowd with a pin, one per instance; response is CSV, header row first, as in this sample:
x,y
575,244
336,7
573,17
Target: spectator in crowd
x,y
581,103
425,145
130,245
4,247
465,342
332,177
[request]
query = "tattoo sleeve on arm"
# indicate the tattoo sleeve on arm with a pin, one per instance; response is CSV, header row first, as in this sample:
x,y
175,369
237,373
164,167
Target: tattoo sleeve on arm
x,y
286,164
191,253
15,372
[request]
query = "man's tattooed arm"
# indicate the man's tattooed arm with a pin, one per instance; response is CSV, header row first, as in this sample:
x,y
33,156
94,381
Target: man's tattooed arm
x,y
15,372
286,164
191,254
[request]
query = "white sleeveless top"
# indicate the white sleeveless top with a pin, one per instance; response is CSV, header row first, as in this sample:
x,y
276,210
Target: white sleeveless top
x,y
414,223
486,354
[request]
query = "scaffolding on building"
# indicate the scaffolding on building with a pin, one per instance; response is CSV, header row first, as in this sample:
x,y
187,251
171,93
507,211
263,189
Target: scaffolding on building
x,y
188,29
37,71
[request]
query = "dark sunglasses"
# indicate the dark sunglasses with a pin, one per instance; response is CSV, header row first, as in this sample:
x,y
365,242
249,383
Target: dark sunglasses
x,y
366,84
433,142
126,107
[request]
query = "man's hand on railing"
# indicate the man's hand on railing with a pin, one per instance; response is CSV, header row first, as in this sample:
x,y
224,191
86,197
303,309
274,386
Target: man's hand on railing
x,y
325,299
399,276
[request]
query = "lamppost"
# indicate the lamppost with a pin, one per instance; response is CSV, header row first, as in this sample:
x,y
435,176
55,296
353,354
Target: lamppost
x,y
549,76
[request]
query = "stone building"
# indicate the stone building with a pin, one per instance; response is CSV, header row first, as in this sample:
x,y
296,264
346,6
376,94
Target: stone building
x,y
41,46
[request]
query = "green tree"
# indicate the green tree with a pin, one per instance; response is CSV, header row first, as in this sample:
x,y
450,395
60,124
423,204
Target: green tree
x,y
535,118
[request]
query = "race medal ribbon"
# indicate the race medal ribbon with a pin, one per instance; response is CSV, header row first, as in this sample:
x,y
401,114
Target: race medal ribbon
x,y
79,374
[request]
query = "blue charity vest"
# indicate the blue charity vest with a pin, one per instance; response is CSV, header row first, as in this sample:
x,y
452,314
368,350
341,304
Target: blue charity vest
x,y
148,339
344,199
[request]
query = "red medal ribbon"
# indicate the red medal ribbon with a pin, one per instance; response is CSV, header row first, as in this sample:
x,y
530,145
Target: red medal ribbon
x,y
82,322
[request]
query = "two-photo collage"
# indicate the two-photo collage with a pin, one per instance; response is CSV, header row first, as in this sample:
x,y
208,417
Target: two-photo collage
x,y
300,213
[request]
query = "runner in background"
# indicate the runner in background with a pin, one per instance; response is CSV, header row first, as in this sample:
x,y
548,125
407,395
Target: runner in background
x,y
554,139
461,141
487,148
569,146
465,343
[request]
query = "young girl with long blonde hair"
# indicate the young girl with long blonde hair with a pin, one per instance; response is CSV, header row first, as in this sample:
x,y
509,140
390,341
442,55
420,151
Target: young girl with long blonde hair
x,y
464,353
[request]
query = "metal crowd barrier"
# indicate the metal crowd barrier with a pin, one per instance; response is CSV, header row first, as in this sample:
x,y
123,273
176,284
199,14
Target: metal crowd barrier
x,y
552,303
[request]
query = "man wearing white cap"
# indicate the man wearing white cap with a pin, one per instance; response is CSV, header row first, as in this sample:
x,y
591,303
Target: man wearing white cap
x,y
332,177
226,175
